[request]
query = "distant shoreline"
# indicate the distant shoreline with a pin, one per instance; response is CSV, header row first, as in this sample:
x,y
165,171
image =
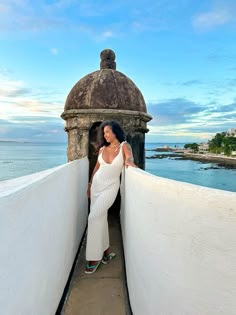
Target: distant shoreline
x,y
35,142
11,141
221,161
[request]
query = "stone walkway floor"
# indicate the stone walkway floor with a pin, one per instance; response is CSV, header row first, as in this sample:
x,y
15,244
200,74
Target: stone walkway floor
x,y
104,292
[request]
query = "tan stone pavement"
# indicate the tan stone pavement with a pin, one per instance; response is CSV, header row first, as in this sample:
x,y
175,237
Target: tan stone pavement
x,y
104,292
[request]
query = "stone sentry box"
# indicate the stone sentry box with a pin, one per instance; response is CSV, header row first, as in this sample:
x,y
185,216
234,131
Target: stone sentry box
x,y
103,95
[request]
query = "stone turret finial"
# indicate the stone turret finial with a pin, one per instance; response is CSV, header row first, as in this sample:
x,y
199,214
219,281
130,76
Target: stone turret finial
x,y
107,59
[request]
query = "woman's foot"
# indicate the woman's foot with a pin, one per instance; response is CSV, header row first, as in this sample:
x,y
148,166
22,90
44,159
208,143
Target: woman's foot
x,y
107,251
92,266
108,257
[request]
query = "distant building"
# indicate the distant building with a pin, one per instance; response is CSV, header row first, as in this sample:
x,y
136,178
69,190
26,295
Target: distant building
x,y
231,132
203,147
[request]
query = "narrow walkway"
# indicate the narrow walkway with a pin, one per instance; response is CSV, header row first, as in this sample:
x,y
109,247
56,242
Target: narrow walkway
x,y
104,292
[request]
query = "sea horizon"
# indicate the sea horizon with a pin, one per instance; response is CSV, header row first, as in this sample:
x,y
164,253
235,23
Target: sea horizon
x,y
27,141
23,158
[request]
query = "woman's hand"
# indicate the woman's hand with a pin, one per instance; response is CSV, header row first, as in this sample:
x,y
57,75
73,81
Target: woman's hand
x,y
129,162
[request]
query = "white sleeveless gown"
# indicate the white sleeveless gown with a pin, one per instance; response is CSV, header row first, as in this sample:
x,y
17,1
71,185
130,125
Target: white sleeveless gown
x,y
104,189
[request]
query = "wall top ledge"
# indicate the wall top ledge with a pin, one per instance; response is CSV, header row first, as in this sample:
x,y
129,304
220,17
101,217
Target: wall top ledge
x,y
176,185
12,186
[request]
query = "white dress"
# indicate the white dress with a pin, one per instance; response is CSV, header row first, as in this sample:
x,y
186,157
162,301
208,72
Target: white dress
x,y
104,189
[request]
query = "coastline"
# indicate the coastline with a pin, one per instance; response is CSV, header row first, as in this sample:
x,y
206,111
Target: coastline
x,y
221,161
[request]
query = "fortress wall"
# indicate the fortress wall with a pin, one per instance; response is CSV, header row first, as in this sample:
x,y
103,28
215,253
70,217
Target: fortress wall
x,y
42,219
180,246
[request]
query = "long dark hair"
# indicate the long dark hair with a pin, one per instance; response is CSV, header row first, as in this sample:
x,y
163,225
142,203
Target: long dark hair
x,y
116,129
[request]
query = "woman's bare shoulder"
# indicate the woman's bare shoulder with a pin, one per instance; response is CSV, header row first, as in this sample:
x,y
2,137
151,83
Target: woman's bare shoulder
x,y
126,145
101,149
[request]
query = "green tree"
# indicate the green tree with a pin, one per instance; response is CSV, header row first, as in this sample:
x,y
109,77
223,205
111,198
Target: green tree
x,y
222,143
216,144
229,145
192,146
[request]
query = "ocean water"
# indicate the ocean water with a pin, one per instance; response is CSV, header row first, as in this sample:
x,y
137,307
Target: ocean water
x,y
193,172
19,159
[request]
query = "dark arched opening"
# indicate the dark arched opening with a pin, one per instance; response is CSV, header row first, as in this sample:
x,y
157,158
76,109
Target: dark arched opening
x,y
93,146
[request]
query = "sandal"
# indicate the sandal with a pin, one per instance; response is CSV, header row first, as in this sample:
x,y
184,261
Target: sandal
x,y
91,269
108,258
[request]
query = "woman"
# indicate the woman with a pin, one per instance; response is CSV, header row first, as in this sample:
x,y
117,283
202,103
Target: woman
x,y
102,189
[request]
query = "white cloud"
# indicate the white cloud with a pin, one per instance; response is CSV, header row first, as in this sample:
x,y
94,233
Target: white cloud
x,y
119,17
209,20
24,113
181,133
10,87
107,34
182,118
54,51
222,13
17,99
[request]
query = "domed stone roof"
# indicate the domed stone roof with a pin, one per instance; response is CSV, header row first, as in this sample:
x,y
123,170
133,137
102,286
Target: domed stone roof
x,y
106,88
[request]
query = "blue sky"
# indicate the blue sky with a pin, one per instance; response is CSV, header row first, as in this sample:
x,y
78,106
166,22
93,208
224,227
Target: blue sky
x,y
180,53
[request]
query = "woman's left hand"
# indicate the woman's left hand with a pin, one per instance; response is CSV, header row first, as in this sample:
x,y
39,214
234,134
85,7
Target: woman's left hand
x,y
130,163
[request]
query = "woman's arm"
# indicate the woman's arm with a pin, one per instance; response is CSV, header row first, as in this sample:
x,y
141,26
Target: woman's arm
x,y
128,155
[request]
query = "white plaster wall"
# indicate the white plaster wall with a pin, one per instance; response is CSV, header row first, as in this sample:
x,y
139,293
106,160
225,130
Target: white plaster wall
x,y
42,219
180,246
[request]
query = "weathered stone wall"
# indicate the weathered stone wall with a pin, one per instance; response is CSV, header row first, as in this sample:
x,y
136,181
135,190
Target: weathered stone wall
x,y
79,122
